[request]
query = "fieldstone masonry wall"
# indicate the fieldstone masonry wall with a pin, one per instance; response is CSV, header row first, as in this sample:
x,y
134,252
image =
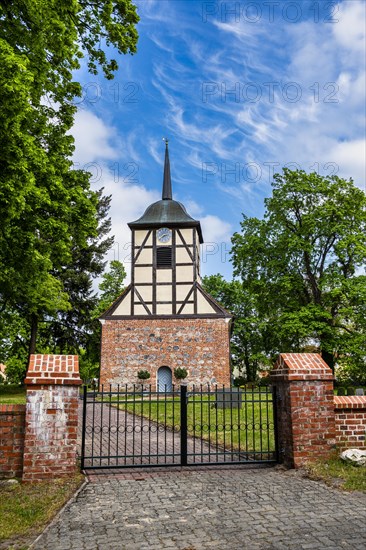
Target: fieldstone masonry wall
x,y
51,417
199,345
305,408
12,430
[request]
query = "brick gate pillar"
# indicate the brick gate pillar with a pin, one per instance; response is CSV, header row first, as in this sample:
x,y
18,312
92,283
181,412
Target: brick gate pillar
x,y
304,407
51,417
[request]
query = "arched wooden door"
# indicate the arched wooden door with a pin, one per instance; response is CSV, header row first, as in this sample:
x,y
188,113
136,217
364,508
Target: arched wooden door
x,y
165,379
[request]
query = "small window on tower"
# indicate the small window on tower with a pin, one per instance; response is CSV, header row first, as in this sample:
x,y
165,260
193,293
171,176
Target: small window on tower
x,y
164,257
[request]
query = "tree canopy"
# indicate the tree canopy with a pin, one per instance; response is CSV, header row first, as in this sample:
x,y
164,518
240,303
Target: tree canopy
x,y
304,265
111,286
52,239
250,349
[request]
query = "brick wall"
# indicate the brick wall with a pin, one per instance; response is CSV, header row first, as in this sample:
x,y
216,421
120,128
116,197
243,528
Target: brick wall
x,y
199,345
305,408
350,420
51,417
12,429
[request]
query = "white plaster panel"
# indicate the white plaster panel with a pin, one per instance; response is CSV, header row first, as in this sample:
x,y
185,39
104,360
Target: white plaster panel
x,y
187,235
145,256
203,305
185,273
145,291
124,308
188,309
164,276
140,236
164,293
164,309
139,309
143,274
183,256
182,291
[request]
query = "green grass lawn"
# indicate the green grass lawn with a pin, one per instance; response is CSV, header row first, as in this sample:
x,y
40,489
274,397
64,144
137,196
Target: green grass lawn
x,y
12,394
247,429
336,472
25,509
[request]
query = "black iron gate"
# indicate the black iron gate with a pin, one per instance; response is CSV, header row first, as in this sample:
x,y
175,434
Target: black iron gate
x,y
142,427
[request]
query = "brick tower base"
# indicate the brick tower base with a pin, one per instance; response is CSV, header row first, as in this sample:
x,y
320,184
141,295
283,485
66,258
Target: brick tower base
x,y
199,345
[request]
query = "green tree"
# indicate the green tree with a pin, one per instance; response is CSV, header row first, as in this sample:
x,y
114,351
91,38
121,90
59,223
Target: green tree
x,y
47,210
249,341
111,286
304,264
72,330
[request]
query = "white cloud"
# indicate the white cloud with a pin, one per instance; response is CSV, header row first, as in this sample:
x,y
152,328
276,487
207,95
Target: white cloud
x,y
215,230
351,158
129,202
93,138
149,11
154,150
350,30
240,29
217,244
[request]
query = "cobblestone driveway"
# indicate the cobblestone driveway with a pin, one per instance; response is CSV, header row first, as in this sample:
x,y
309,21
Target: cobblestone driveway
x,y
227,509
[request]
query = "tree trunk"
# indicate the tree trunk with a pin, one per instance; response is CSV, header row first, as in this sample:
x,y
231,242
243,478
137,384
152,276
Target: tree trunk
x,y
251,369
33,336
328,358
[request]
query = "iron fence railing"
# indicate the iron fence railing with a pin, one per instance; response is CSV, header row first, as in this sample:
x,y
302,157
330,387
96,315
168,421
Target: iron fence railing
x,y
125,427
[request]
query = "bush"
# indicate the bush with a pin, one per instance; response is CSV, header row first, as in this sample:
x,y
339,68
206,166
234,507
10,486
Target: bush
x,y
143,375
16,369
180,373
351,375
341,391
239,381
88,369
351,390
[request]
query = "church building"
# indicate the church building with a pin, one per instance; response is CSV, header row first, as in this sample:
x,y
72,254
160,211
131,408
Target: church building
x,y
164,319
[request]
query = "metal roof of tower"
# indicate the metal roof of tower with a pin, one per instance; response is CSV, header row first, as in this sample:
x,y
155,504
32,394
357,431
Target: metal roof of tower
x,y
166,212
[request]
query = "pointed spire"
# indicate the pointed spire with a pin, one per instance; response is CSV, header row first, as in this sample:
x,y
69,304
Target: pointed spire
x,y
167,183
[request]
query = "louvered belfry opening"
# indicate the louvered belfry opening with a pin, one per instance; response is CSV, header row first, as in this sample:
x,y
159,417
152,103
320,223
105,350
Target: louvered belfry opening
x,y
164,257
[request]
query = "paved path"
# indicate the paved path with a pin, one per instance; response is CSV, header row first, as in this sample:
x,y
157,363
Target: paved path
x,y
192,509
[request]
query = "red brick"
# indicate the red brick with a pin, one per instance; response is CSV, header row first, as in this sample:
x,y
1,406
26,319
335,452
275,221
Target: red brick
x,y
350,414
57,385
305,408
12,423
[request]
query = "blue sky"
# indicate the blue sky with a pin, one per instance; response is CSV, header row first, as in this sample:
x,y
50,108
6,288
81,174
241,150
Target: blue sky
x,y
241,89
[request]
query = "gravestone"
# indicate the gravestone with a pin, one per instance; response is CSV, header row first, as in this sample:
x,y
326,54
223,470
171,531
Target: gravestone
x,y
229,398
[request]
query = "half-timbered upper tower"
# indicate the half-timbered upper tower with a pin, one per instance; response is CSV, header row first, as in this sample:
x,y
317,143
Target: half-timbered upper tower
x,y
165,319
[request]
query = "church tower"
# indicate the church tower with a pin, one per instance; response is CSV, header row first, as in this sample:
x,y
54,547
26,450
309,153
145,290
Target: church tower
x,y
164,319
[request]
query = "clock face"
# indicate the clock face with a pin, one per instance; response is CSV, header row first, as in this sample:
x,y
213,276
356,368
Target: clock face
x,y
164,235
